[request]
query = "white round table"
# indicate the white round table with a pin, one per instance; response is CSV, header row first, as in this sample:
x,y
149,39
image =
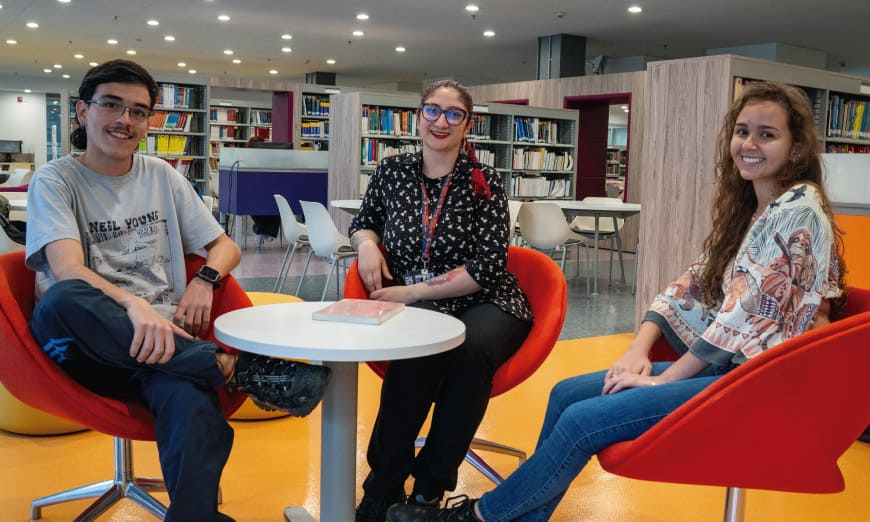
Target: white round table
x,y
350,206
287,330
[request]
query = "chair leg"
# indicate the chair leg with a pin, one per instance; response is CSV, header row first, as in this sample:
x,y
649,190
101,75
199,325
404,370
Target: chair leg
x,y
279,281
636,263
108,492
332,268
735,501
477,461
304,271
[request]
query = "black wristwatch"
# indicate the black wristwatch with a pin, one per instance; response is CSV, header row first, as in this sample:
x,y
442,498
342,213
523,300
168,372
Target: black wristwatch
x,y
209,274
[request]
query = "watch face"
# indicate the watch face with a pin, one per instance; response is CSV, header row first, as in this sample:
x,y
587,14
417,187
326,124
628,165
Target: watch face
x,y
209,274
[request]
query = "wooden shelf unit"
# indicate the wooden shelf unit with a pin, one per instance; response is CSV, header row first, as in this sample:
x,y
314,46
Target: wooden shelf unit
x,y
232,124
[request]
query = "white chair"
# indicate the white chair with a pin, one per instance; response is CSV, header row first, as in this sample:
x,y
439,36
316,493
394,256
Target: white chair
x,y
608,228
514,206
544,227
297,236
326,241
17,178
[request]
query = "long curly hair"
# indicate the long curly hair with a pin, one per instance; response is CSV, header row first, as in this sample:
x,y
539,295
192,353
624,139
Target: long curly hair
x,y
735,202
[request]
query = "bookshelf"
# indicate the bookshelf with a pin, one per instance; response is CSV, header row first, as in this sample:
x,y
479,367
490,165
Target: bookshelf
x,y
534,149
232,124
177,131
314,121
614,171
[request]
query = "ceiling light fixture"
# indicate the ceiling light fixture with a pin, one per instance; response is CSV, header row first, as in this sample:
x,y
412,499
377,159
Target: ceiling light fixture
x,y
63,1
286,49
11,41
362,16
273,71
169,38
358,33
489,33
635,9
93,64
58,66
46,70
153,23
286,36
112,41
228,52
65,76
224,18
78,56
182,64
471,8
33,25
236,61
330,61
400,49
192,71
131,52
27,91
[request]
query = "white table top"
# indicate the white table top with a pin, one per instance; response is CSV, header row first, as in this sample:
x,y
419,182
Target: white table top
x,y
625,209
287,330
348,205
17,204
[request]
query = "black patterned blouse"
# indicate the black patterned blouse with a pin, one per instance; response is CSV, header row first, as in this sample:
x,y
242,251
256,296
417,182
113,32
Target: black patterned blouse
x,y
471,231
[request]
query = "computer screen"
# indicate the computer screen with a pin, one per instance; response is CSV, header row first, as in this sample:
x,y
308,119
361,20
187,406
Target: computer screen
x,y
10,146
270,145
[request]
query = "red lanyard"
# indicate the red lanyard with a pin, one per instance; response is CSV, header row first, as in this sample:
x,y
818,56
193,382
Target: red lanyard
x,y
429,223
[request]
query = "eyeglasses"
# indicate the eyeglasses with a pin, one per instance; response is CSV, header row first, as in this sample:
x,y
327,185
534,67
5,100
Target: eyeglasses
x,y
138,114
433,111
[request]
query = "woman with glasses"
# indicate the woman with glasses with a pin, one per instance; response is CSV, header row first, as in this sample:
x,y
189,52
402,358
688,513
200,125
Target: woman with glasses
x,y
432,231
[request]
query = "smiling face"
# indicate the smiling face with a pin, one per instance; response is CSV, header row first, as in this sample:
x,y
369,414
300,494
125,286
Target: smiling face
x,y
113,137
762,144
438,135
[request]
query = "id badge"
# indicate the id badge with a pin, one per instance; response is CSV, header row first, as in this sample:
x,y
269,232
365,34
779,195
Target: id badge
x,y
418,276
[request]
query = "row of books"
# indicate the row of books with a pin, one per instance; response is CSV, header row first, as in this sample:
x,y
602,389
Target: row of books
x,y
481,127
165,145
182,165
260,117
226,133
388,121
262,132
848,118
847,148
314,105
539,158
176,96
539,187
485,156
536,130
170,121
224,115
374,150
315,129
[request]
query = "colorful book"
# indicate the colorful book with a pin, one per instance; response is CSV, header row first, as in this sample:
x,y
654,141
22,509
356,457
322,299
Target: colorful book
x,y
362,311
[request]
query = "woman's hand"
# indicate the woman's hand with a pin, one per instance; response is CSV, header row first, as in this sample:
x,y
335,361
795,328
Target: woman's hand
x,y
627,380
632,361
372,266
396,294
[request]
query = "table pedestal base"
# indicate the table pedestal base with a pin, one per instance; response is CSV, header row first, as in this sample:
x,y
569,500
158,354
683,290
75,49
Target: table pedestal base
x,y
297,514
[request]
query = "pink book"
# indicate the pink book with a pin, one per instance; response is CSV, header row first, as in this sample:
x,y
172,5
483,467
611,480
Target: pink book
x,y
361,311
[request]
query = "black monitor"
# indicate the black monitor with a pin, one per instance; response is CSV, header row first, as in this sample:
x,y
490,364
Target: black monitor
x,y
8,148
270,145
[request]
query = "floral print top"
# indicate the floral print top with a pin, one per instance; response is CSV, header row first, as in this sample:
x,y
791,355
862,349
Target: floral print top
x,y
472,231
785,267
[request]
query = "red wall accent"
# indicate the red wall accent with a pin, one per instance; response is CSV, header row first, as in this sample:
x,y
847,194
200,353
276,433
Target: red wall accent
x,y
592,149
282,117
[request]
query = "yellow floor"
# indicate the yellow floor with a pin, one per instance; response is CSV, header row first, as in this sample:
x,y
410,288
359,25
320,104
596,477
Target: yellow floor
x,y
275,463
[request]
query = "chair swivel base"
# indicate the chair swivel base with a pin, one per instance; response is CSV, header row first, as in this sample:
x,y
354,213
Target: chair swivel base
x,y
477,461
108,492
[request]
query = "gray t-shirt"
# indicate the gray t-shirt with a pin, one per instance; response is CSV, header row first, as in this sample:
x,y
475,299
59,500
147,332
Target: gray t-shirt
x,y
134,229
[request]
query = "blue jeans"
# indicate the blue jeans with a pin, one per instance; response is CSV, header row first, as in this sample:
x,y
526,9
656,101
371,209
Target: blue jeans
x,y
579,423
89,335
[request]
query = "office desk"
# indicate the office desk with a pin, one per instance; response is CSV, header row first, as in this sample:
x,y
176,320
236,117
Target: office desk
x,y
599,210
287,330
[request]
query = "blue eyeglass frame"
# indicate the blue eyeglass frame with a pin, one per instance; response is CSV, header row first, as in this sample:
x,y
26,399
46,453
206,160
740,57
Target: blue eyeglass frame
x,y
437,111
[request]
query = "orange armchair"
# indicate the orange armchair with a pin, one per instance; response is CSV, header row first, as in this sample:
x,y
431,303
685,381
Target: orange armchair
x,y
28,373
544,284
779,421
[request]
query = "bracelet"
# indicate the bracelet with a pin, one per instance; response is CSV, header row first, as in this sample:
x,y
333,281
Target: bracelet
x,y
652,381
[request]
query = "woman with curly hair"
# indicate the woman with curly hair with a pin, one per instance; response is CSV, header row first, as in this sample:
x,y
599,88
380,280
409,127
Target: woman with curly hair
x,y
771,268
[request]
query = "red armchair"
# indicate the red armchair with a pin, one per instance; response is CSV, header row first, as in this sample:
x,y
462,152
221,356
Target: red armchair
x,y
544,284
779,421
37,381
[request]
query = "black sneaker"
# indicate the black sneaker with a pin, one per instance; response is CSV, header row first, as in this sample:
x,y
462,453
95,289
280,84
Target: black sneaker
x,y
458,509
278,384
374,509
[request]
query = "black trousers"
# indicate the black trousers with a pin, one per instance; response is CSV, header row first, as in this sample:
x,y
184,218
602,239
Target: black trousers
x,y
459,382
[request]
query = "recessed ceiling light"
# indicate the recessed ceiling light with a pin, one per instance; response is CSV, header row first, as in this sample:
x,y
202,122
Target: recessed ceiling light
x,y
286,49
330,61
192,71
27,91
131,52
63,1
169,38
471,8
400,49
358,33
623,107
11,41
224,18
93,64
236,60
33,25
489,33
58,66
362,16
112,41
46,70
182,64
286,36
635,9
65,75
78,56
273,71
153,23
228,52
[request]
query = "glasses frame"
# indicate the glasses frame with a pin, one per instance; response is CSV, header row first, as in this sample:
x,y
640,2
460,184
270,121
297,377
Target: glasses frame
x,y
445,112
122,107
